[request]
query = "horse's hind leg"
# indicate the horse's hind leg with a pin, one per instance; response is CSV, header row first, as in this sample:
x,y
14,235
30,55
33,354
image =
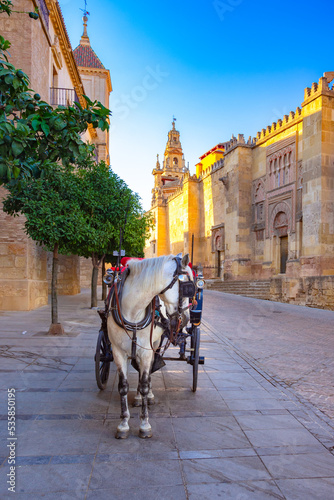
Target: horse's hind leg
x,y
145,429
123,388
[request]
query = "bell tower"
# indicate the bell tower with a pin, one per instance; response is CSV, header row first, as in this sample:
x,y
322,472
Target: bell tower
x,y
169,177
174,159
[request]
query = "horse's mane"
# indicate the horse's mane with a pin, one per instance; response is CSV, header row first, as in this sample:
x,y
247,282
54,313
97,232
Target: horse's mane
x,y
148,273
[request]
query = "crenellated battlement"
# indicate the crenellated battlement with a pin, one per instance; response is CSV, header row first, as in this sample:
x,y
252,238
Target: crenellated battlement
x,y
238,141
310,93
280,124
210,169
319,88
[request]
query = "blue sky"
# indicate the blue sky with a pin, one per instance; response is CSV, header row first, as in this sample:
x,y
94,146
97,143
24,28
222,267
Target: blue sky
x,y
220,66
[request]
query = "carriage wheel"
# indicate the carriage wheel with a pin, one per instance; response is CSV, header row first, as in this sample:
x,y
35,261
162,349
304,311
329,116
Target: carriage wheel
x,y
103,356
195,339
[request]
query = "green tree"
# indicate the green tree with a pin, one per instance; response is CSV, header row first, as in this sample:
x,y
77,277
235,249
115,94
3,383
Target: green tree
x,y
78,212
51,205
106,199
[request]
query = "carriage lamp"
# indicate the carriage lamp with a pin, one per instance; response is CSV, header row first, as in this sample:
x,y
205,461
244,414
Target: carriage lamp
x,y
108,279
200,283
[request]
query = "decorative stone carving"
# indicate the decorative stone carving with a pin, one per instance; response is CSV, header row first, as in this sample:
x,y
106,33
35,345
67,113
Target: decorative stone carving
x,y
281,163
281,224
55,48
280,219
218,238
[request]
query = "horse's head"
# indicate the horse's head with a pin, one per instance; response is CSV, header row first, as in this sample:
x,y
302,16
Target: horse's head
x,y
179,290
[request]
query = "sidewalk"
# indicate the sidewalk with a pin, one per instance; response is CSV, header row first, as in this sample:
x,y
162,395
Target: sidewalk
x,y
242,435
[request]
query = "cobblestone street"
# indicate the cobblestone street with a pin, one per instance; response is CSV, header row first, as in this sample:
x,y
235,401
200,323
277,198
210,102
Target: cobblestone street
x,y
256,429
294,344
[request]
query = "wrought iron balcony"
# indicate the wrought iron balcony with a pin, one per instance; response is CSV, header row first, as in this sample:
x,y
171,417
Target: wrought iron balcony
x,y
62,97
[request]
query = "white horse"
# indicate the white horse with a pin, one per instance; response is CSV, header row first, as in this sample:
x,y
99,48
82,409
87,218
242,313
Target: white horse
x,y
147,279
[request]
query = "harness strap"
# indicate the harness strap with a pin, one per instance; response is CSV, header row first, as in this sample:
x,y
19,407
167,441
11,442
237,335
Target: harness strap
x,y
116,311
171,284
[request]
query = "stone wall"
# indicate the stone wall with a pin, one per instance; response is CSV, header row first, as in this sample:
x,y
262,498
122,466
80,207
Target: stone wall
x,y
311,291
68,274
86,268
30,46
23,282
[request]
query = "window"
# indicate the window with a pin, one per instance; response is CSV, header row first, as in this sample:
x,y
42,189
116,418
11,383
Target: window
x,y
281,167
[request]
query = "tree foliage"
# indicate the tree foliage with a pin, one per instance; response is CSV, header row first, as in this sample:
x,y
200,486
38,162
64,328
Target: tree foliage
x,y
106,199
80,210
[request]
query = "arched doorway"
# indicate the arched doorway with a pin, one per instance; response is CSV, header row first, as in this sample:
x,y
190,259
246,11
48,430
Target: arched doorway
x,y
218,245
281,230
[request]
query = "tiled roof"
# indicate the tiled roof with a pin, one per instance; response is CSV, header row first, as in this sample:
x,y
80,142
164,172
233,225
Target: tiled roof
x,y
85,56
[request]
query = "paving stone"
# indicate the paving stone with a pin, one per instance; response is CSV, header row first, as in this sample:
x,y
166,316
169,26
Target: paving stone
x,y
215,470
251,404
130,474
252,422
295,346
248,490
139,493
319,465
222,432
48,478
243,427
280,437
301,489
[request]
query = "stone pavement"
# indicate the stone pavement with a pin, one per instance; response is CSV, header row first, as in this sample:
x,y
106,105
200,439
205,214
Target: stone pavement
x,y
295,344
243,435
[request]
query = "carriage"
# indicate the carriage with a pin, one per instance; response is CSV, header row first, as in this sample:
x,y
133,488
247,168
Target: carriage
x,y
171,317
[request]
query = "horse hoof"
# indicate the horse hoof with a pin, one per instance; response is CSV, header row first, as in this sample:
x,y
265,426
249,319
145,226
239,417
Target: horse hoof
x,y
121,434
145,433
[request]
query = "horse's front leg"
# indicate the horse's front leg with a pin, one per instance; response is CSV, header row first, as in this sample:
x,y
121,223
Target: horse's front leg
x,y
150,396
123,389
145,429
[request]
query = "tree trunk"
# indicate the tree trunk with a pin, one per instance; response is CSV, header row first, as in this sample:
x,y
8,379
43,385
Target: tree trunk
x,y
54,282
95,275
104,286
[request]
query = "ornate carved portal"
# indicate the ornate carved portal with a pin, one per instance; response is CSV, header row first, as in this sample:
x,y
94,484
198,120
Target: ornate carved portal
x,y
218,246
281,224
280,218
